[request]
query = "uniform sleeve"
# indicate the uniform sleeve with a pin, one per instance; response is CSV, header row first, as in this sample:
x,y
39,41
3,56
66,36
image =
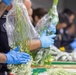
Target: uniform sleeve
x,y
4,46
4,42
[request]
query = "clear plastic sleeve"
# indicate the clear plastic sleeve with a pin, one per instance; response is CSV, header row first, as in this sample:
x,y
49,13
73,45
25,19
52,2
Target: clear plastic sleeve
x,y
18,25
49,21
20,33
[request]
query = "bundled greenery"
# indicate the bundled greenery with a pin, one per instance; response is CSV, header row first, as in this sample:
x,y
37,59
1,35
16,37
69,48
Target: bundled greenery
x,y
62,56
44,57
21,33
60,72
49,20
23,69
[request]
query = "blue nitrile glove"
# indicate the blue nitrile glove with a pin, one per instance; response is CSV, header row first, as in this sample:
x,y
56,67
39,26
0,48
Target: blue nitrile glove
x,y
73,44
7,2
15,57
47,41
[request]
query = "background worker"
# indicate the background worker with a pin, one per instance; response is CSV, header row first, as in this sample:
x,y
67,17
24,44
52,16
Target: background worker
x,y
63,22
38,14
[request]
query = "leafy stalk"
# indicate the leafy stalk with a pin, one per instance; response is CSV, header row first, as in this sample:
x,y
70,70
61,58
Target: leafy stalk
x,y
21,38
55,2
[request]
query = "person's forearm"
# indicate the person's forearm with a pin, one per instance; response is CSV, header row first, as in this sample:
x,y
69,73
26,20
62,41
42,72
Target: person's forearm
x,y
3,7
2,58
34,45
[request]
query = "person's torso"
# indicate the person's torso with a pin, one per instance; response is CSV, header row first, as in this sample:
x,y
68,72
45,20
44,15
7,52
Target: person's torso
x,y
4,46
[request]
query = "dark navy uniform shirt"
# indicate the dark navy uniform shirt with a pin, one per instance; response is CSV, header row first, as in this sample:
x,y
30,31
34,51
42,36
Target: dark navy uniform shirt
x,y
4,46
64,42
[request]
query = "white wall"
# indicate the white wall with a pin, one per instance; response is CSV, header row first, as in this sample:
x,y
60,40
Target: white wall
x,y
71,4
47,4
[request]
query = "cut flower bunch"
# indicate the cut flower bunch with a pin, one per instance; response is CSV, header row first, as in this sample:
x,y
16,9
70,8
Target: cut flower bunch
x,y
20,33
48,23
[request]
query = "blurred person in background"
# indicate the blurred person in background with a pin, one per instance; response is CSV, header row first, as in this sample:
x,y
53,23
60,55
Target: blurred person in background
x,y
68,38
71,31
63,22
70,14
66,31
38,14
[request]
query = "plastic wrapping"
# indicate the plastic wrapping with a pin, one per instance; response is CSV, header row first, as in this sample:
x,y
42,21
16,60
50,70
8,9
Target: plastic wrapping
x,y
49,21
18,25
44,57
62,56
20,33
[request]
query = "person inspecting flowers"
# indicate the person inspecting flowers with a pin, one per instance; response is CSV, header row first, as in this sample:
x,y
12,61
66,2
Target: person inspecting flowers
x,y
6,56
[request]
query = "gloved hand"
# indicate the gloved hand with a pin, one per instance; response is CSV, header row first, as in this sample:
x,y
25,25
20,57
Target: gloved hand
x,y
73,44
47,41
7,2
15,57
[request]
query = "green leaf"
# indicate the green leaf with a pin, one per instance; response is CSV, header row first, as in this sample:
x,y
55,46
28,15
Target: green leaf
x,y
55,2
